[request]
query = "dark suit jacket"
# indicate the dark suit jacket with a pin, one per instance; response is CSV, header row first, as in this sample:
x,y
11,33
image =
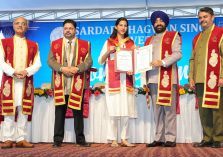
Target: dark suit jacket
x,y
84,67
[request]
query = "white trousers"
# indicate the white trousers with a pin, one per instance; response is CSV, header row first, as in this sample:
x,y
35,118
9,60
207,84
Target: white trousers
x,y
12,130
112,133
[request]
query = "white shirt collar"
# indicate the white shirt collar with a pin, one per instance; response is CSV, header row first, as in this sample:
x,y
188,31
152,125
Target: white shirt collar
x,y
73,40
19,38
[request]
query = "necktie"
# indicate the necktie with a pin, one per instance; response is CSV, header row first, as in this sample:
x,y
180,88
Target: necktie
x,y
69,59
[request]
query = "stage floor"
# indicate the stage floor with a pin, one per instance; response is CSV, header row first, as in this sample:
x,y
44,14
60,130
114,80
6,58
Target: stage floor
x,y
104,150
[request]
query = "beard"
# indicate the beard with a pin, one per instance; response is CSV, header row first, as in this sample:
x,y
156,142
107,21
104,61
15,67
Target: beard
x,y
68,35
160,29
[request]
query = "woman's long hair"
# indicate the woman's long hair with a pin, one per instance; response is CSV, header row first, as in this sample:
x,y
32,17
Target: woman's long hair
x,y
114,33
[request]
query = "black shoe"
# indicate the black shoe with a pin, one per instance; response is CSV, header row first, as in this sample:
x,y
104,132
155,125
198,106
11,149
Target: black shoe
x,y
84,144
216,144
169,144
57,144
155,144
203,143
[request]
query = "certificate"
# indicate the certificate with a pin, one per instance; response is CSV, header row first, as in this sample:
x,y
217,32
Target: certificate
x,y
123,60
142,59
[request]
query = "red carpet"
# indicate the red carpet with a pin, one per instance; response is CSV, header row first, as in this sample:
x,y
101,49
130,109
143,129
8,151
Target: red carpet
x,y
104,150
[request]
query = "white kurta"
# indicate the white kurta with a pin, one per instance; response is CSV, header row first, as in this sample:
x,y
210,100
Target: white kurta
x,y
10,130
118,104
19,59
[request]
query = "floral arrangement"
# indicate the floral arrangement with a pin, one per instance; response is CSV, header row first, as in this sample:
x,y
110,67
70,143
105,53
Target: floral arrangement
x,y
143,90
186,89
182,90
97,90
43,92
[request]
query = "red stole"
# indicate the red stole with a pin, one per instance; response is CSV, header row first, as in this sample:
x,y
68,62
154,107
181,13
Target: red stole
x,y
164,95
212,68
1,117
114,77
77,86
7,87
